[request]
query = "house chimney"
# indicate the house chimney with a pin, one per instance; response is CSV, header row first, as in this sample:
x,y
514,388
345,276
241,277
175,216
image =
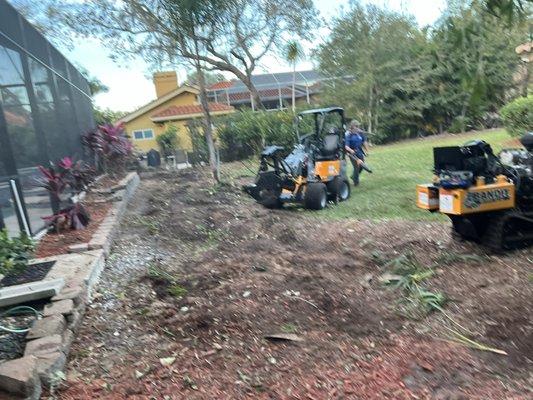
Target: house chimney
x,y
165,82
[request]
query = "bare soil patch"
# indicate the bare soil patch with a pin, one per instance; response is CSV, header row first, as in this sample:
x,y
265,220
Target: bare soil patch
x,y
200,275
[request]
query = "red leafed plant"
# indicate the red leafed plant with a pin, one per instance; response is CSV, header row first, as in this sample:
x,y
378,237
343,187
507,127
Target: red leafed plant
x,y
111,146
65,163
77,174
55,179
55,183
115,141
72,217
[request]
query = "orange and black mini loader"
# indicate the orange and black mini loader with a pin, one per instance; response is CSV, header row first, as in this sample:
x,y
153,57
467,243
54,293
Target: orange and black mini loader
x,y
314,172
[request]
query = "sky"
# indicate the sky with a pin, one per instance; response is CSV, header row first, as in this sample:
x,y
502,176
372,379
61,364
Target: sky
x,y
130,84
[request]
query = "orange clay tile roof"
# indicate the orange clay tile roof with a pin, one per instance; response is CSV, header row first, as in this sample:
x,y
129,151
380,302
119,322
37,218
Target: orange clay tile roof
x,y
221,85
17,119
175,111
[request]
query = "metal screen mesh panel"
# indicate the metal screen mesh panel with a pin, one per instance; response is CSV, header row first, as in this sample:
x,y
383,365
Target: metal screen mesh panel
x,y
45,106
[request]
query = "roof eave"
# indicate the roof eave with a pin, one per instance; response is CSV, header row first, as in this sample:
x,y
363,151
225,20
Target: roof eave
x,y
188,116
157,102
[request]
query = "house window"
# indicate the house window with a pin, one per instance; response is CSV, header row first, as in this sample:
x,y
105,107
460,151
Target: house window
x,y
143,134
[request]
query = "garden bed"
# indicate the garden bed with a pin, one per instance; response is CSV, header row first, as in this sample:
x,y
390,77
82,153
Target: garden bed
x,y
97,203
201,278
30,360
58,243
34,272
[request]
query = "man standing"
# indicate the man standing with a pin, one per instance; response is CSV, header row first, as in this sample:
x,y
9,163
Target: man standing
x,y
356,144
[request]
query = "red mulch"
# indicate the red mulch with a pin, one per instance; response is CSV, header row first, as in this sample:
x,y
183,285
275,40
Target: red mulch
x,y
409,367
57,243
54,243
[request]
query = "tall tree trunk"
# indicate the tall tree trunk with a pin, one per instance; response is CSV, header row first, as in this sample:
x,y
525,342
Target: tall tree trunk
x,y
369,113
247,80
463,115
376,113
293,86
525,82
208,126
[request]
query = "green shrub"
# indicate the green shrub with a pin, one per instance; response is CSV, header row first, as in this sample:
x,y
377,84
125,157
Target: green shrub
x,y
14,252
200,152
459,124
245,132
168,141
517,116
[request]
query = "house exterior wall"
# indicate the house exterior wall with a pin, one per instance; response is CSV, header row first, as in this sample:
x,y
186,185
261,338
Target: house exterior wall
x,y
143,122
145,145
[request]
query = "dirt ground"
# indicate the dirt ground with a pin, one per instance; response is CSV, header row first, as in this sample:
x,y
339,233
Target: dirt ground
x,y
199,276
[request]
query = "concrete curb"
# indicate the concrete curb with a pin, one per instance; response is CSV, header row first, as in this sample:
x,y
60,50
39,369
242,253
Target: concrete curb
x,y
50,338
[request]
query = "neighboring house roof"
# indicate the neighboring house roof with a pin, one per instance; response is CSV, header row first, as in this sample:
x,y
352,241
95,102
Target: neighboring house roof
x,y
16,119
189,111
265,94
269,81
220,85
270,87
157,102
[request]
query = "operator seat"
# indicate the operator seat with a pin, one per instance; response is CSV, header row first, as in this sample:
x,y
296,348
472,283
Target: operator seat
x,y
527,141
330,147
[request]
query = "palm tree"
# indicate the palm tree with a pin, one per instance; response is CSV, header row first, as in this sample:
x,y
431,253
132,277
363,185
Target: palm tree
x,y
293,54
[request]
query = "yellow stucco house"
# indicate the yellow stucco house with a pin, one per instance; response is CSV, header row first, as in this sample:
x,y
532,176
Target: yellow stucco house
x,y
175,105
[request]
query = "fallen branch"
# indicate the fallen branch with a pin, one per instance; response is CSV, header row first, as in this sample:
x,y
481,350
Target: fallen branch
x,y
462,339
453,320
307,301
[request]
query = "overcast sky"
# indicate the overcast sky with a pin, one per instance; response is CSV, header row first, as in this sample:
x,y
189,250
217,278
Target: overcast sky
x,y
130,86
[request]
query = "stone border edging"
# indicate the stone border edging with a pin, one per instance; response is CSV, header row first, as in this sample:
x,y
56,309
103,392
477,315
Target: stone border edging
x,y
49,339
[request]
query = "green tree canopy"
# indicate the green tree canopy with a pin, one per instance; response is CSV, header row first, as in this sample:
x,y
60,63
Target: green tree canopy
x,y
210,78
403,81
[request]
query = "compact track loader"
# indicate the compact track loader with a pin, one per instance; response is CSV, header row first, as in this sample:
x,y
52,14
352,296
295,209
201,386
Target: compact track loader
x,y
488,198
314,172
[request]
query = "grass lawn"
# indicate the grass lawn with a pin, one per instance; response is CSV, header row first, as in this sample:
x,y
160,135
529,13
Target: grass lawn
x,y
390,191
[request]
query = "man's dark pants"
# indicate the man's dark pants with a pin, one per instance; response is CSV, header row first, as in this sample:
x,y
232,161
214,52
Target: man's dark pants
x,y
356,171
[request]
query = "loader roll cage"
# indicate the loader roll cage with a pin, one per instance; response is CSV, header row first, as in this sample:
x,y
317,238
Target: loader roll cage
x,y
319,116
318,138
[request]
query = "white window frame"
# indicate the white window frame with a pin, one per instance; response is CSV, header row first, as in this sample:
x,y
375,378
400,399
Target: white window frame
x,y
143,131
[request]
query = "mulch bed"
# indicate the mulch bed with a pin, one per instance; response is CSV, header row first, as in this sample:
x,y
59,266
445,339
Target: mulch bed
x,y
34,272
58,243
